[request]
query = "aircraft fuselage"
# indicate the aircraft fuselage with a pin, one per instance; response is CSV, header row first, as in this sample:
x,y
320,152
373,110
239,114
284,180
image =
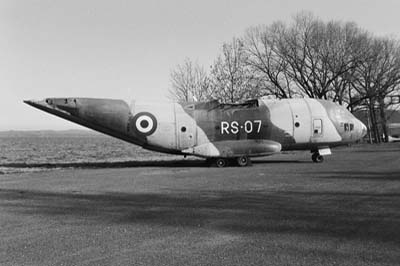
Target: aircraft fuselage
x,y
213,130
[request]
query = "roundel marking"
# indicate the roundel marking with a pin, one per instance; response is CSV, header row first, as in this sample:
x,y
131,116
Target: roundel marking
x,y
145,123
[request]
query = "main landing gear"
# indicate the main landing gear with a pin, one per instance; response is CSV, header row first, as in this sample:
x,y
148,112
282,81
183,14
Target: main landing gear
x,y
222,162
243,161
317,158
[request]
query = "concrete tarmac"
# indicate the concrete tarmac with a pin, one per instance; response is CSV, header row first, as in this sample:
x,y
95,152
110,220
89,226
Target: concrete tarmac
x,y
284,210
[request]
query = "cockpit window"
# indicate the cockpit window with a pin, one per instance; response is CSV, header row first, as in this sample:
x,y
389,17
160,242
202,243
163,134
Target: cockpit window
x,y
348,126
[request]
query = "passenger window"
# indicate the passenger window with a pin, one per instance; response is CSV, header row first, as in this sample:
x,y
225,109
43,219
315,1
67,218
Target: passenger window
x,y
351,127
346,127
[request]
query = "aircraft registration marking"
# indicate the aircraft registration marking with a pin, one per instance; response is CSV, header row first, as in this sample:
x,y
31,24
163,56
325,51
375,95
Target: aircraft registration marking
x,y
234,127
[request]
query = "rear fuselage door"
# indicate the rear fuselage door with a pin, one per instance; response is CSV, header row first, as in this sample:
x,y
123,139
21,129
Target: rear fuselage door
x,y
186,133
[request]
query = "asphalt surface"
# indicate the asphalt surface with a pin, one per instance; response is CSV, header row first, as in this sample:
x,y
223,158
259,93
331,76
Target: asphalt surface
x,y
284,210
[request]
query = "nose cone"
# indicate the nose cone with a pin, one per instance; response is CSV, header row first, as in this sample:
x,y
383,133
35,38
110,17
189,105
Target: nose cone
x,y
363,130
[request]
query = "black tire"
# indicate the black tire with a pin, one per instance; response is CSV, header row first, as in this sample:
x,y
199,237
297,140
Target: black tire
x,y
220,162
317,158
243,161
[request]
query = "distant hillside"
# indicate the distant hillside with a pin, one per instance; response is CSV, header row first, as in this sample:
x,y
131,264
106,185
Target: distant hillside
x,y
49,133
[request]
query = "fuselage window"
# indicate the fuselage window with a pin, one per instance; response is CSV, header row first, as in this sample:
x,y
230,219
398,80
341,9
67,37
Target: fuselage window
x,y
351,127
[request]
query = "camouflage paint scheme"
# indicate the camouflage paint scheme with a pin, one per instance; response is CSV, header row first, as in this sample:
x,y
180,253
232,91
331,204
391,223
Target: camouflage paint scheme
x,y
255,128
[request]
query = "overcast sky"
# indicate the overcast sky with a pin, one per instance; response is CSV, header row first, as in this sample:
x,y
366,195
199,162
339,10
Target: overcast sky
x,y
126,49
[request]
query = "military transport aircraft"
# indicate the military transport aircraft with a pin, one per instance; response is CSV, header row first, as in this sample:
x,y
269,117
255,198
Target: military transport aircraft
x,y
219,132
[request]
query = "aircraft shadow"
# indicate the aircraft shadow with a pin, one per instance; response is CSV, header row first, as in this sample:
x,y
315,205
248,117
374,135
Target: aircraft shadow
x,y
360,175
355,215
374,148
118,164
132,164
272,161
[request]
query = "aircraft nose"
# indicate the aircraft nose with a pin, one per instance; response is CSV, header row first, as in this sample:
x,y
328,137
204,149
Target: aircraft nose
x,y
363,129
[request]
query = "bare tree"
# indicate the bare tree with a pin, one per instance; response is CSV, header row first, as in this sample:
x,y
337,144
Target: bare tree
x,y
190,82
231,77
377,77
319,55
262,44
348,52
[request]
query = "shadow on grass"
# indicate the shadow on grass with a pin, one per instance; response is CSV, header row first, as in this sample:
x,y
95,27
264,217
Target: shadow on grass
x,y
132,164
272,161
374,148
122,164
362,175
370,216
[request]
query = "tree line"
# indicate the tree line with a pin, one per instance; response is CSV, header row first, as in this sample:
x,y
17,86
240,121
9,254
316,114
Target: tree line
x,y
307,57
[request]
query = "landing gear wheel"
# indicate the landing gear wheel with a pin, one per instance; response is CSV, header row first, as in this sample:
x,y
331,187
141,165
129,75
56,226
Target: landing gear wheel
x,y
220,162
317,158
243,161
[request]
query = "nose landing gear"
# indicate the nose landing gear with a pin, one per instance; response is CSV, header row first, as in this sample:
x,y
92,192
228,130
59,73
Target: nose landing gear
x,y
317,158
